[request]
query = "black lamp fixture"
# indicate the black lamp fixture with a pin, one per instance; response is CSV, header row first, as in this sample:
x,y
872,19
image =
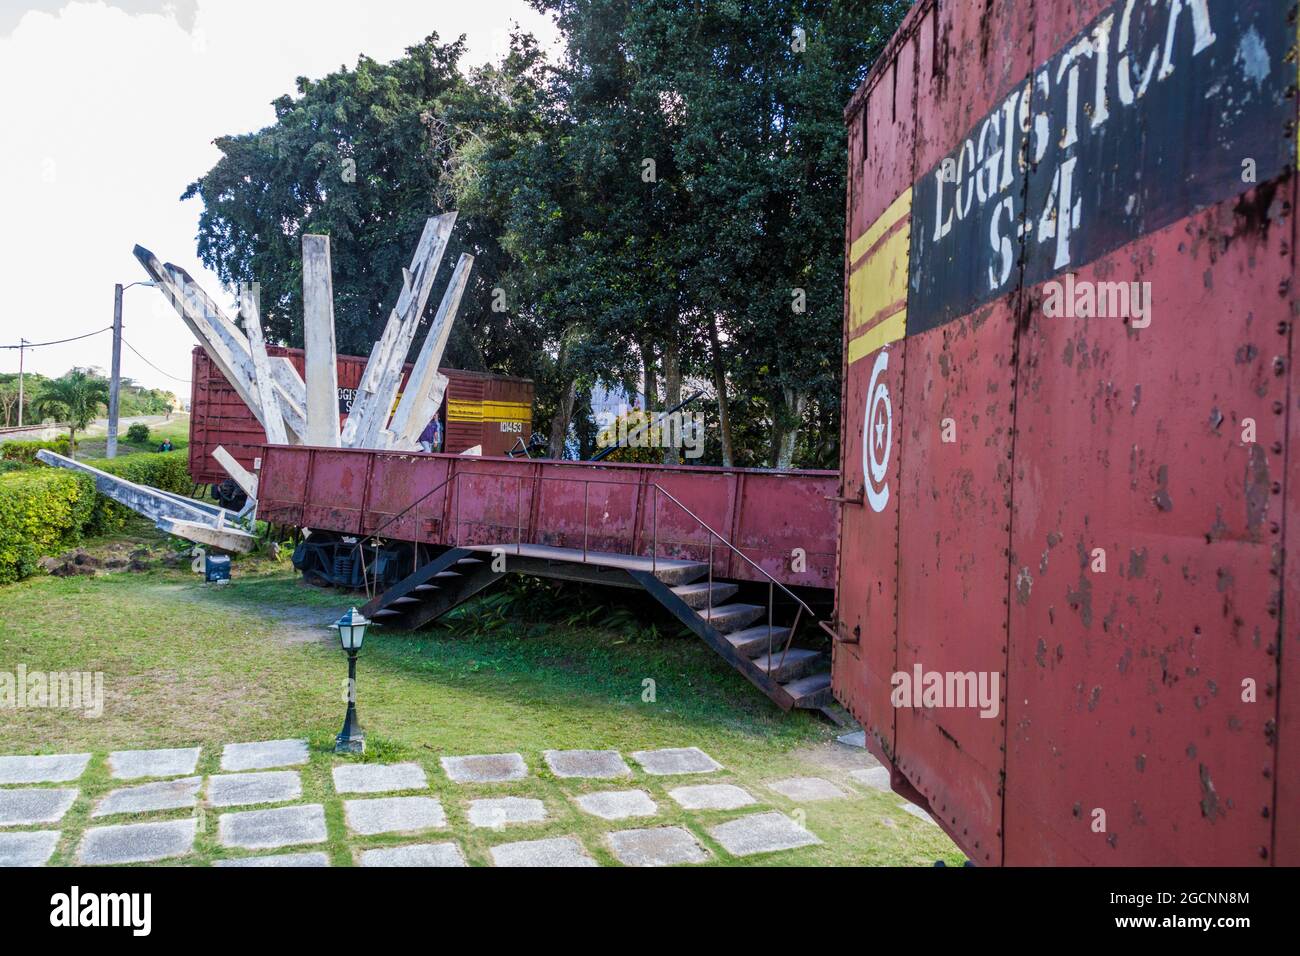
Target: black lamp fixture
x,y
352,632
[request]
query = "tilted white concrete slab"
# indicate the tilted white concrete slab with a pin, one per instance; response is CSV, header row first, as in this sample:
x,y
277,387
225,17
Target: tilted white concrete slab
x,y
322,369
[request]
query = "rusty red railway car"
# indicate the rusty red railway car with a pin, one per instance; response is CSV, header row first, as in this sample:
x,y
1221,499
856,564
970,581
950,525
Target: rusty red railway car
x,y
782,521
1069,397
485,409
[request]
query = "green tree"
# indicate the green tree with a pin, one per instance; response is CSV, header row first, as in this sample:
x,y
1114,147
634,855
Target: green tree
x,y
74,399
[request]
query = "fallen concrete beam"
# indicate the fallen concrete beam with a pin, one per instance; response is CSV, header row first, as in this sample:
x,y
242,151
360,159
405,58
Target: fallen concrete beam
x,y
422,396
150,502
322,370
224,539
243,477
273,417
383,374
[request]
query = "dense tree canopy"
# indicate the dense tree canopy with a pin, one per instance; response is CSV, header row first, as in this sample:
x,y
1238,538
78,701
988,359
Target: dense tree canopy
x,y
663,205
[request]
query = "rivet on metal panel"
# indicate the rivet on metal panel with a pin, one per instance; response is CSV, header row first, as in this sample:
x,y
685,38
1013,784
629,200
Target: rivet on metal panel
x,y
1279,364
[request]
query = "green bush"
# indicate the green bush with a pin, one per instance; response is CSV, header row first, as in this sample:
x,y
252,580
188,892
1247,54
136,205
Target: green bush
x,y
138,433
41,511
168,471
26,450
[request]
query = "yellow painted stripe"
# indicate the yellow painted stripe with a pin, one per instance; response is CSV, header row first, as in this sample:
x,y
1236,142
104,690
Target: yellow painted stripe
x,y
899,208
882,333
880,281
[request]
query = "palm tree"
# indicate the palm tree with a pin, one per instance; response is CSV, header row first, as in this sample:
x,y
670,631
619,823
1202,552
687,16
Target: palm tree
x,y
75,398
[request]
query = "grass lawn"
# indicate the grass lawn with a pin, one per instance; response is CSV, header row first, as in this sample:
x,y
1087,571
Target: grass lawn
x,y
96,446
186,664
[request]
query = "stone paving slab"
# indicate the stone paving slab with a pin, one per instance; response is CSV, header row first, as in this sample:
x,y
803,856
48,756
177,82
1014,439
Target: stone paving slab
x,y
417,854
51,768
500,811
877,778
599,764
33,848
133,764
558,851
712,796
278,859
137,842
617,804
761,833
675,760
656,846
271,829
264,755
246,789
149,797
394,815
485,768
35,805
807,789
856,739
379,777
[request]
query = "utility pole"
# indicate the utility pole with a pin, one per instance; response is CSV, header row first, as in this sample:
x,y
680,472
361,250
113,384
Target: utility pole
x,y
21,343
115,381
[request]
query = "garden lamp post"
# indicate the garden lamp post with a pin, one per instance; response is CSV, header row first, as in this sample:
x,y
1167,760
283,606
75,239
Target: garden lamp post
x,y
352,631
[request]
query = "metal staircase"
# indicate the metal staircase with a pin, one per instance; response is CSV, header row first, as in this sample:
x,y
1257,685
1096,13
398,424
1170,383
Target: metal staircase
x,y
745,635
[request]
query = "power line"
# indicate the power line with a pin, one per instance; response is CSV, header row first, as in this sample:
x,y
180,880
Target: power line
x,y
36,345
151,365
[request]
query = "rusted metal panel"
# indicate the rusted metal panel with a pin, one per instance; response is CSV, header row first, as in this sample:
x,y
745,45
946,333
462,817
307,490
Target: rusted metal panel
x,y
449,500
1089,144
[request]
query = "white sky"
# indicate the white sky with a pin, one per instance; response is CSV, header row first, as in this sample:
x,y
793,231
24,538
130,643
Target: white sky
x,y
108,110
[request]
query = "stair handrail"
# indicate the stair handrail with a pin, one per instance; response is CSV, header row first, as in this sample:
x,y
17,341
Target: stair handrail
x,y
452,476
771,581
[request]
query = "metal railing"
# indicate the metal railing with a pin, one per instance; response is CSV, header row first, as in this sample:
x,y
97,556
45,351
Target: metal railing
x,y
772,583
656,491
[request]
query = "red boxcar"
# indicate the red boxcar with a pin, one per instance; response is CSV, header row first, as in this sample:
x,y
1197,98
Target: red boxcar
x,y
493,411
1069,300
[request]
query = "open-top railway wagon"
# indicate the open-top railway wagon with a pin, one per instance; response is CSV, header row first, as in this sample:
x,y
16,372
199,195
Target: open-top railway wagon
x,y
1070,394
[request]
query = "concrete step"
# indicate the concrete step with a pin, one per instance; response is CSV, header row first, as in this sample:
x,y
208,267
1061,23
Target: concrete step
x,y
424,588
732,617
697,595
752,641
811,691
385,613
798,662
403,601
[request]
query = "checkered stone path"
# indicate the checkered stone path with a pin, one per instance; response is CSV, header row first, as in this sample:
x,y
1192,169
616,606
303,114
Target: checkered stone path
x,y
53,768
617,804
394,815
597,764
271,829
264,755
137,842
32,848
417,854
656,846
501,811
35,805
148,797
247,789
558,851
379,777
761,833
712,796
807,789
278,859
485,768
675,760
134,764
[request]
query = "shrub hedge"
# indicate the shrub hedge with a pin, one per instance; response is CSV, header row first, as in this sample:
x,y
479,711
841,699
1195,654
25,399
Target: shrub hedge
x,y
44,510
26,450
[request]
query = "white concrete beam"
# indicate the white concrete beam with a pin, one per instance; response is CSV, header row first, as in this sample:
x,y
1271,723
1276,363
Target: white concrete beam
x,y
243,477
322,377
272,417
